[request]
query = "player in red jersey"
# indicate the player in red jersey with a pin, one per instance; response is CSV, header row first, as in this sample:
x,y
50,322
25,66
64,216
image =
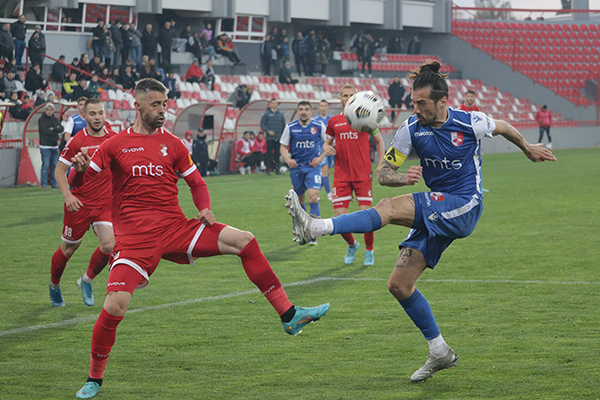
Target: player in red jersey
x,y
469,104
149,224
84,206
353,172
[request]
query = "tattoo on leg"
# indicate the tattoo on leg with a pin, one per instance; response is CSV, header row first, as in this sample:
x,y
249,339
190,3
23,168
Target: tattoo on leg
x,y
403,257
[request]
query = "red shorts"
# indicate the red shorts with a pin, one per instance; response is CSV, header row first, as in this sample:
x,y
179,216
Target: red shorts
x,y
342,193
179,242
76,224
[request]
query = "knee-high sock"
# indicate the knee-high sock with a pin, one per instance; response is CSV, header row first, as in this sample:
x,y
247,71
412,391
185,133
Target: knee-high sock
x,y
97,263
103,338
357,222
261,274
57,267
303,206
325,184
348,238
369,240
315,209
418,309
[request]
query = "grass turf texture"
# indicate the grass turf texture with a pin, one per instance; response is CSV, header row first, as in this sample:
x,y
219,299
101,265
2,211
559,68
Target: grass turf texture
x,y
502,299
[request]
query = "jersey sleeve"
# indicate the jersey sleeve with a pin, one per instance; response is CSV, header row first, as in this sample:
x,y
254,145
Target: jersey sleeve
x,y
71,148
70,125
330,133
285,137
101,158
483,125
401,146
183,160
323,132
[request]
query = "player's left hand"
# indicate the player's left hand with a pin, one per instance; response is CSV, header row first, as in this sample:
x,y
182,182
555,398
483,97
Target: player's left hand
x,y
206,217
537,153
329,150
315,162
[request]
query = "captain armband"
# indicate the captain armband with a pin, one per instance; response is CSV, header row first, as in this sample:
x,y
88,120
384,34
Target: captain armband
x,y
375,132
395,157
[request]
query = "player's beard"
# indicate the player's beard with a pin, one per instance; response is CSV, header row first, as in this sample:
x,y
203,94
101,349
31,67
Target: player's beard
x,y
428,121
153,122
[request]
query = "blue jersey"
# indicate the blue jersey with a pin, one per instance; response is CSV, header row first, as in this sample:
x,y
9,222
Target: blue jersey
x,y
450,155
306,142
75,124
323,120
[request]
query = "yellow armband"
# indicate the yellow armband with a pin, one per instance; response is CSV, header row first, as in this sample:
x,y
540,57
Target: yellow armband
x,y
394,157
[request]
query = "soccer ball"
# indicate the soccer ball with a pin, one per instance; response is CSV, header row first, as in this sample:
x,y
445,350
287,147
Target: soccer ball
x,y
364,111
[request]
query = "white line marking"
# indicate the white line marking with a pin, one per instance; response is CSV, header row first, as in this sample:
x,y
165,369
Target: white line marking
x,y
73,321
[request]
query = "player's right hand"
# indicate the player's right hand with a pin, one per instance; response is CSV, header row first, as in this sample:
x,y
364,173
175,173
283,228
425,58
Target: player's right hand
x,y
81,160
329,150
73,203
414,174
292,163
206,217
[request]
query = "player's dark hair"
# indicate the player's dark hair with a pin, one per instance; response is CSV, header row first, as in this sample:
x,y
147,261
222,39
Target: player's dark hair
x,y
470,92
429,75
148,85
323,101
82,98
305,103
91,101
273,99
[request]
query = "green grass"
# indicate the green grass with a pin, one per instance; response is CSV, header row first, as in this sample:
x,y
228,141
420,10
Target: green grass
x,y
517,300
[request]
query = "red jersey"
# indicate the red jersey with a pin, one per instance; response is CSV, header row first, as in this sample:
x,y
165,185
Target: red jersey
x,y
353,155
144,178
464,107
98,192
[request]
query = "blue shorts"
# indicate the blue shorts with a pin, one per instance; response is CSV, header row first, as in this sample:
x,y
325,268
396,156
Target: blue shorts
x,y
305,177
328,161
439,219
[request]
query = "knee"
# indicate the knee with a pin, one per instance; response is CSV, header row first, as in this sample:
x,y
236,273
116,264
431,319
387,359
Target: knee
x,y
244,237
115,305
107,247
385,207
399,289
69,249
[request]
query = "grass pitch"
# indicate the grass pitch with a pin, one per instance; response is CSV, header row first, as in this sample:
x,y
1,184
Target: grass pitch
x,y
517,300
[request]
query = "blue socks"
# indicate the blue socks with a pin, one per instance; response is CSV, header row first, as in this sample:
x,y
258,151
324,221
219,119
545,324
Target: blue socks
x,y
315,209
325,184
357,222
303,206
418,309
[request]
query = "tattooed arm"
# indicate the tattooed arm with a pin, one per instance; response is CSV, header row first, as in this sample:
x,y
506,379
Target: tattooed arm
x,y
388,175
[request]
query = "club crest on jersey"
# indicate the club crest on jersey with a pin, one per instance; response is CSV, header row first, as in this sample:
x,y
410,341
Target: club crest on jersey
x,y
313,130
437,196
163,150
457,138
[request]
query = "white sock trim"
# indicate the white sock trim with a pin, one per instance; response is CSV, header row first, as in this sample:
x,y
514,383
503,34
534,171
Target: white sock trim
x,y
438,347
321,227
86,278
54,286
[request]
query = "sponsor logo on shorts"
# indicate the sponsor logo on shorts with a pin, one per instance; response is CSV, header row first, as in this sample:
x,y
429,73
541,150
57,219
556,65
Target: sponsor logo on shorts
x,y
133,150
437,196
457,138
116,284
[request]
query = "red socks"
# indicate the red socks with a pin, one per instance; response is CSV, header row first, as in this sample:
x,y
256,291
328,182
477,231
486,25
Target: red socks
x,y
348,238
261,274
97,263
103,338
57,267
369,240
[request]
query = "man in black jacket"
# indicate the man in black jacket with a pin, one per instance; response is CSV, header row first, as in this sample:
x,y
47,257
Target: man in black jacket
x,y
49,128
285,75
149,43
272,123
125,38
6,42
165,39
266,50
200,152
59,70
115,34
34,80
99,40
19,31
37,47
311,54
396,92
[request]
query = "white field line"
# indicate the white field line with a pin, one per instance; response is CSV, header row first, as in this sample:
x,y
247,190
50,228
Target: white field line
x,y
73,321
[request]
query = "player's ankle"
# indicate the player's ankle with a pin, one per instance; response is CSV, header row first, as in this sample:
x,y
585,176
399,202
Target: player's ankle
x,y
321,227
98,381
288,315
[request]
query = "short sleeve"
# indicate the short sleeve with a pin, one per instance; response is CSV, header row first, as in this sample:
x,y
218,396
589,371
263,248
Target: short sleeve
x,y
483,125
285,137
70,125
183,160
323,132
329,130
69,152
402,140
101,159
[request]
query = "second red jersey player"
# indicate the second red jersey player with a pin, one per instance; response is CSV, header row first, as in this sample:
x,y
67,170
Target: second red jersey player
x,y
353,172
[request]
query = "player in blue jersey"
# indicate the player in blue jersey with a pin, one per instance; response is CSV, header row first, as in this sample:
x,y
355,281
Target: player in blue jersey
x,y
328,161
75,123
306,140
447,142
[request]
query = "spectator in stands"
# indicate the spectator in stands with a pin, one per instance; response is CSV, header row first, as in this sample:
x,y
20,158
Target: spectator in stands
x,y
243,154
50,96
40,98
128,63
311,53
273,123
192,45
49,129
27,103
59,70
10,85
110,78
128,79
186,33
299,50
366,52
206,47
188,141
149,43
323,55
3,95
34,80
117,38
94,87
75,63
408,101
396,45
200,152
285,75
171,84
225,47
126,39
69,86
99,39
469,104
414,46
36,48
19,32
207,30
396,92
95,65
84,64
17,111
544,120
165,39
266,54
104,74
6,42
135,43
81,90
381,49
259,149
194,72
209,76
109,44
151,71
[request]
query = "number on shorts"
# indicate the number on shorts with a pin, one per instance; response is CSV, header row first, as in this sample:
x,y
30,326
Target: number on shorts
x,y
68,231
318,179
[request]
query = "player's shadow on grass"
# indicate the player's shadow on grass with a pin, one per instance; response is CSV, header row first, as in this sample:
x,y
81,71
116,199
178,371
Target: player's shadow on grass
x,y
37,220
284,254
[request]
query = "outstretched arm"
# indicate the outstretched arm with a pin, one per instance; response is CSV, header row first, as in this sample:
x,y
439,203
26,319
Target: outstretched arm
x,y
387,175
200,196
535,153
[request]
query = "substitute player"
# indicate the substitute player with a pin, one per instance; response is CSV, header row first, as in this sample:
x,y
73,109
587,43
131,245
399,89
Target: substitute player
x,y
328,161
145,160
306,139
85,206
75,123
353,172
469,104
447,141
